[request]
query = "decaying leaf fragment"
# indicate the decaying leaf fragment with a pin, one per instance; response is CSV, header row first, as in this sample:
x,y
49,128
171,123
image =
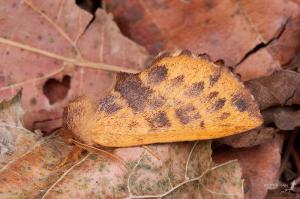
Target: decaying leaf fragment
x,y
25,158
180,97
279,89
15,140
184,170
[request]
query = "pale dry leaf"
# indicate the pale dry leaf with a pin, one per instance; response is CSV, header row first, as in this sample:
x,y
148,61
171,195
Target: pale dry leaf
x,y
25,158
183,171
15,140
260,165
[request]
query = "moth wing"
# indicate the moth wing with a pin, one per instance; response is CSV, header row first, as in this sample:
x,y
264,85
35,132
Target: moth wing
x,y
178,98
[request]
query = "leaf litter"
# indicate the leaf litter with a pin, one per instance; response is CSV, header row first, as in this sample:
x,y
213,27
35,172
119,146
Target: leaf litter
x,y
272,43
256,38
58,45
173,176
26,157
31,173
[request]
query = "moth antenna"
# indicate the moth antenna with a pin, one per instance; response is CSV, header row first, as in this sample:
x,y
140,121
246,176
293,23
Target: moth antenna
x,y
151,152
100,151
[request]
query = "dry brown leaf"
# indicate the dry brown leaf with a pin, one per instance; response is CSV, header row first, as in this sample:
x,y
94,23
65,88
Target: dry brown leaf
x,y
260,165
43,39
183,171
283,118
25,158
279,89
250,138
15,140
257,37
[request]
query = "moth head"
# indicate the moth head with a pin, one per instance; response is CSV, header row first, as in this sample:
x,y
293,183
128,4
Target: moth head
x,y
78,117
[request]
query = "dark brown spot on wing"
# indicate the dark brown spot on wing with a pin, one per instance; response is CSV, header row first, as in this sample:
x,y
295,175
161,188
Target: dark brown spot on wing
x,y
157,102
159,120
218,105
109,105
195,89
157,74
132,125
177,80
224,116
187,114
202,124
214,78
213,95
239,102
133,91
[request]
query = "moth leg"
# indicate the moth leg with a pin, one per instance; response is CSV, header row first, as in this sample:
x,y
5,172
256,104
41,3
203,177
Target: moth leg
x,y
99,151
73,156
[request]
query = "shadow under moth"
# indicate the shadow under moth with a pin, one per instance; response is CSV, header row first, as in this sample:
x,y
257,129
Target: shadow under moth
x,y
180,97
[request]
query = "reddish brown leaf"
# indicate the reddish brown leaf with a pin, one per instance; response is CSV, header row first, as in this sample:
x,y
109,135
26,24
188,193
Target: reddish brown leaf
x,y
25,158
260,166
284,118
95,177
53,39
250,138
256,37
281,88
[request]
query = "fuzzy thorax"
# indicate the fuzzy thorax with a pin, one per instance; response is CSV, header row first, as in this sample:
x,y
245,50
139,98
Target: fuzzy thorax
x,y
79,118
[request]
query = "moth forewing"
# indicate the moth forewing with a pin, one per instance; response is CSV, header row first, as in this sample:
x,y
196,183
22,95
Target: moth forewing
x,y
180,97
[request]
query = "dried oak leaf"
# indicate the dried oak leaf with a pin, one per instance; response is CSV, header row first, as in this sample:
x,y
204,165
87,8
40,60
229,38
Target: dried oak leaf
x,y
260,165
184,170
279,89
250,138
25,158
15,140
58,40
283,118
256,37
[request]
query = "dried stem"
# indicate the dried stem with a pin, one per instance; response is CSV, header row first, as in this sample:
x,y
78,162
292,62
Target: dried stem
x,y
83,63
188,160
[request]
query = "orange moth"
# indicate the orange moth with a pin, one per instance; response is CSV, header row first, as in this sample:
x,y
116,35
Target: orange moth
x,y
180,97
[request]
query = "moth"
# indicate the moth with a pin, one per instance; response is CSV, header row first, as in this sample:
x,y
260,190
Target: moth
x,y
180,97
